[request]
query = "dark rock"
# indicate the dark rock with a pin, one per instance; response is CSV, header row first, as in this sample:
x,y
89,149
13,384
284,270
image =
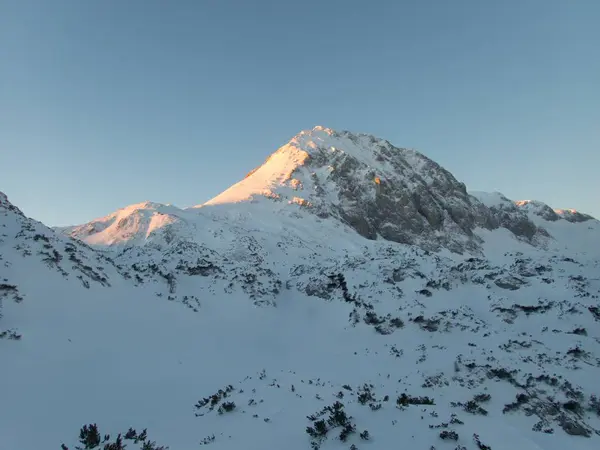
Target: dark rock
x,y
509,282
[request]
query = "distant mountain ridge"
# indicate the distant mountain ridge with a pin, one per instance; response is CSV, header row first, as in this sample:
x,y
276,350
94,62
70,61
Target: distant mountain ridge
x,y
365,183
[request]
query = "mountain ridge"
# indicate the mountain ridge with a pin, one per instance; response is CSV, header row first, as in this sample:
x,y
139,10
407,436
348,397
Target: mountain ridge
x,y
243,325
378,190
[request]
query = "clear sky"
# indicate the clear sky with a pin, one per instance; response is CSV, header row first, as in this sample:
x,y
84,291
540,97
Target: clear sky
x,y
107,103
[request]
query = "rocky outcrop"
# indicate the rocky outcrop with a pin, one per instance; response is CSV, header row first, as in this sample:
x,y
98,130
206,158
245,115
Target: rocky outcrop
x,y
539,209
570,215
544,211
506,214
7,206
396,194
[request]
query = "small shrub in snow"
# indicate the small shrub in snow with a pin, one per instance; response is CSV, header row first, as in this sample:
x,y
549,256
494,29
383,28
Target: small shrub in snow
x,y
521,400
319,429
482,398
472,407
372,318
322,426
90,438
213,400
580,331
365,395
405,400
208,440
480,444
576,352
455,420
347,430
226,407
10,334
449,435
397,322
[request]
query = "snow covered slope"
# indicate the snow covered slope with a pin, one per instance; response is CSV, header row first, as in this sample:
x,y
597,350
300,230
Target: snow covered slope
x,y
246,321
26,243
571,231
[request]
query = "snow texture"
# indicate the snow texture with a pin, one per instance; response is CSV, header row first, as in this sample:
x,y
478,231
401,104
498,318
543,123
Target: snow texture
x,y
272,295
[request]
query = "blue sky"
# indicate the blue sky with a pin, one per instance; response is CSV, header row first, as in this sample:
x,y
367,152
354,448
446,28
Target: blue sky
x,y
108,103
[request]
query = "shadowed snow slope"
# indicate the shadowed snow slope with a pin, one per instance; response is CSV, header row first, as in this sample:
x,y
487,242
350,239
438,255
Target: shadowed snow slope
x,y
290,292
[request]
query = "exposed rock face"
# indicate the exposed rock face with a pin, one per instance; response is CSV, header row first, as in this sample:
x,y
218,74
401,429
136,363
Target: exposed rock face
x,y
539,209
379,190
407,198
552,215
509,282
7,206
507,214
570,215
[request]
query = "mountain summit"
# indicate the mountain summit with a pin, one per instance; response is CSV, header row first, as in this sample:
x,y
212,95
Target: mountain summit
x,y
379,190
353,180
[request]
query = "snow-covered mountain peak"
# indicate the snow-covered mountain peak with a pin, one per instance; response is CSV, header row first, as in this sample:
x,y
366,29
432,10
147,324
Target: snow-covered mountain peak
x,y
369,149
130,225
379,190
537,208
529,203
143,205
541,209
323,151
318,129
